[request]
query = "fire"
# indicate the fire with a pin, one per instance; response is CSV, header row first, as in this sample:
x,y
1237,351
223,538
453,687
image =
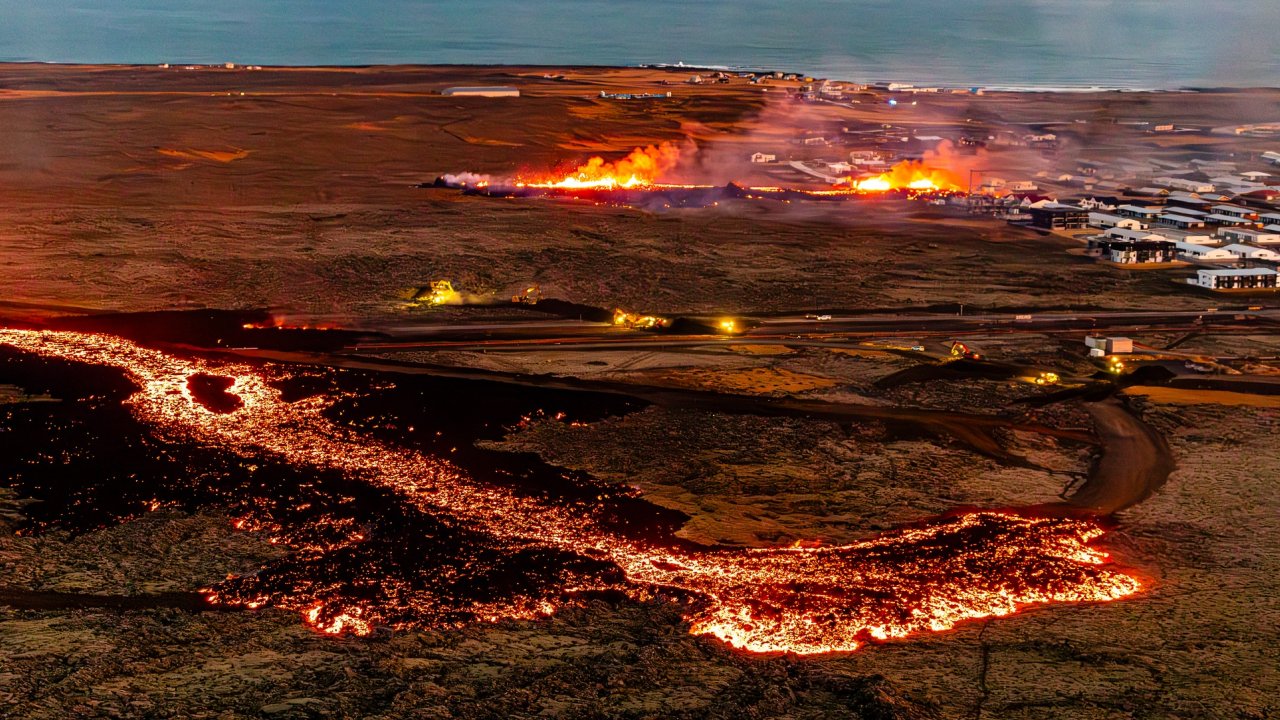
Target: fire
x,y
909,175
622,318
642,168
799,599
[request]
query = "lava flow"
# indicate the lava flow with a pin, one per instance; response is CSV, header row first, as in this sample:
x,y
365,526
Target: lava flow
x,y
801,600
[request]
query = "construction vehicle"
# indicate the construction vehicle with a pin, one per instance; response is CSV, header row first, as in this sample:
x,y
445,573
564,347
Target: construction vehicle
x,y
960,350
530,296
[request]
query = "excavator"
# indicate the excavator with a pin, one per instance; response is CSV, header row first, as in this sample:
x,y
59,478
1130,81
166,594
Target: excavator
x,y
960,350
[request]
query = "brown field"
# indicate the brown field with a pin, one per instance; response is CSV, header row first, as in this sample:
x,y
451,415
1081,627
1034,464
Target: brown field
x,y
137,188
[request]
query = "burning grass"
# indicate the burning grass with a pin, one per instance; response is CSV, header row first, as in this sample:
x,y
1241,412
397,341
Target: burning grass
x,y
801,599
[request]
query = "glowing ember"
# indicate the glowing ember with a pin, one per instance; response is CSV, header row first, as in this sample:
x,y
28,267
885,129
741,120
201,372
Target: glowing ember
x,y
641,168
796,599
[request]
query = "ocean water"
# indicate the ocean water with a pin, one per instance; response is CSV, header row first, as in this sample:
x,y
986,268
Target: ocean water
x,y
1024,43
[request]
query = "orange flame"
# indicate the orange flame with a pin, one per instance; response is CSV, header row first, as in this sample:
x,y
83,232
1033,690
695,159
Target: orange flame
x,y
641,168
909,175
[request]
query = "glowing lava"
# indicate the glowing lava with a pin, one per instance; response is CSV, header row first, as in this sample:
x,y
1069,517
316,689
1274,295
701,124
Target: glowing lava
x,y
799,599
641,168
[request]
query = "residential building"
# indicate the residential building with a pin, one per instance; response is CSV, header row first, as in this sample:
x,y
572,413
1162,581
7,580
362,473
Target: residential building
x,y
1126,235
1248,235
1235,278
1138,211
1107,220
1252,252
1192,251
1140,252
1234,211
1059,217
1181,222
1220,219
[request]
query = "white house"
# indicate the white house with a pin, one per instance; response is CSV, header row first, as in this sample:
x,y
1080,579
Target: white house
x,y
763,158
1234,278
1270,218
1234,211
1132,235
1191,251
1107,220
1182,222
1271,157
1251,252
1248,235
1195,186
1137,211
1220,219
1189,236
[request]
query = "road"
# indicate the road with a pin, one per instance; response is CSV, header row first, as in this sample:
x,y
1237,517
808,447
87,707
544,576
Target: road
x,y
795,330
1135,462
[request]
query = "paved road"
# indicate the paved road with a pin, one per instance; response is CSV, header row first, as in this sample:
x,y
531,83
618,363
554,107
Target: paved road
x,y
795,330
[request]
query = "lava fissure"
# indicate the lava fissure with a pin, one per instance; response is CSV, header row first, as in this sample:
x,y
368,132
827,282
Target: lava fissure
x,y
801,600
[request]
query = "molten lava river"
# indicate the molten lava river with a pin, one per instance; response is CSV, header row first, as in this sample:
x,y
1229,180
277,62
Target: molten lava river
x,y
547,551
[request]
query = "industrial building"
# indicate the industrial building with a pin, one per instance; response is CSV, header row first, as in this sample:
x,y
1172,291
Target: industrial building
x,y
483,91
1235,279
